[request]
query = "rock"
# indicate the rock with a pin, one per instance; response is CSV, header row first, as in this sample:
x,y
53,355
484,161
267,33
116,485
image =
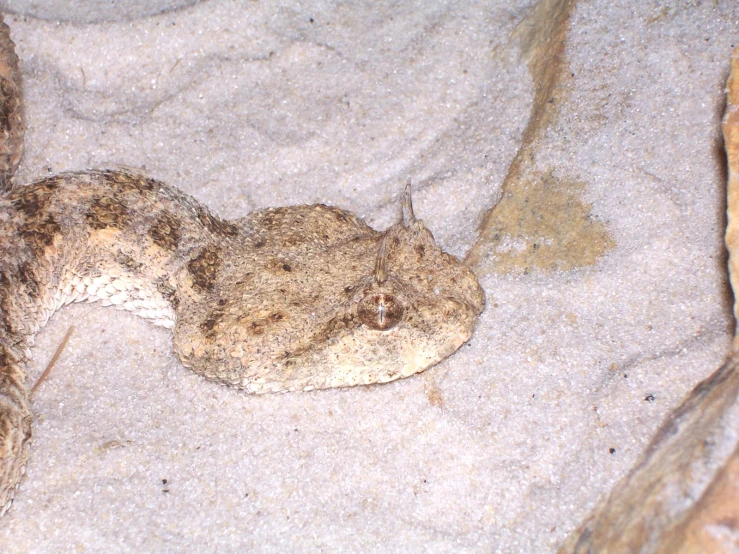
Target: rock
x,y
683,496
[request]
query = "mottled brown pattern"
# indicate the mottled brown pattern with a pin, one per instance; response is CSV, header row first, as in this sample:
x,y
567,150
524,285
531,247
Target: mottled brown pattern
x,y
215,225
130,263
279,266
40,234
31,203
168,292
107,211
165,232
6,325
208,326
11,109
28,279
285,299
203,269
262,323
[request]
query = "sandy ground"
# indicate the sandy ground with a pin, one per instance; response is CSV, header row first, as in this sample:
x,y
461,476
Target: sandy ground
x,y
503,447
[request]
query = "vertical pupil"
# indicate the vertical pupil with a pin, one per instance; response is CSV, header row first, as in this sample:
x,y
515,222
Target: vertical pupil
x,y
379,311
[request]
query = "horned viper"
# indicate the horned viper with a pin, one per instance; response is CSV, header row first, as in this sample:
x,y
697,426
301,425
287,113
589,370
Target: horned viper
x,y
285,299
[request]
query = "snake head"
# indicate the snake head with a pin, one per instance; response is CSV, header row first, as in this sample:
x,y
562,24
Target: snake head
x,y
325,301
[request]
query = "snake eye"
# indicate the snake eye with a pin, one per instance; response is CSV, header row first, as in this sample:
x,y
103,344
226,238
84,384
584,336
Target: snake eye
x,y
380,311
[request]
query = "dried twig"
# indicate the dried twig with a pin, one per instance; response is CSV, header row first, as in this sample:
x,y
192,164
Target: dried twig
x,y
54,358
